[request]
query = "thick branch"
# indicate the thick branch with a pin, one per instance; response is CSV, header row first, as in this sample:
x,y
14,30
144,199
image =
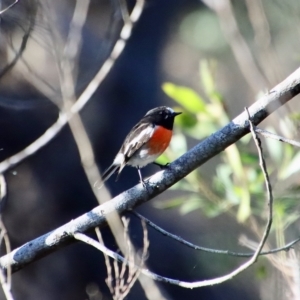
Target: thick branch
x,y
159,182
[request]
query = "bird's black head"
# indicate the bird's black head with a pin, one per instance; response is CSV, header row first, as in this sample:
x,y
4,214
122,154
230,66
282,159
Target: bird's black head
x,y
162,115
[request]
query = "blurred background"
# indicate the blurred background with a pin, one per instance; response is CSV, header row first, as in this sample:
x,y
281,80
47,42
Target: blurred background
x,y
208,59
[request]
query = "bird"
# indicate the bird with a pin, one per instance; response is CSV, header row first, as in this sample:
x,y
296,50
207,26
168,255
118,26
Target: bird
x,y
145,142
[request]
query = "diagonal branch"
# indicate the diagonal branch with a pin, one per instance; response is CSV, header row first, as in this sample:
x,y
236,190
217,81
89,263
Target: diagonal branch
x,y
159,182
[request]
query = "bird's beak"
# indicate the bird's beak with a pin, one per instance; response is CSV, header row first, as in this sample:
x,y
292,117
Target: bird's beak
x,y
176,113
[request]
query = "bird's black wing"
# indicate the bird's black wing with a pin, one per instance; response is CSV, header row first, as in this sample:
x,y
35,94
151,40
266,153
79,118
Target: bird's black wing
x,y
137,137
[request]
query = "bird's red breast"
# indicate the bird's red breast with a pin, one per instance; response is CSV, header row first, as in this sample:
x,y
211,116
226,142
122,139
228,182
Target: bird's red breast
x,y
159,141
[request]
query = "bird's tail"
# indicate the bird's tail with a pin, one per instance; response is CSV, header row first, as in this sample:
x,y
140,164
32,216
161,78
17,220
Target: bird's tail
x,y
106,175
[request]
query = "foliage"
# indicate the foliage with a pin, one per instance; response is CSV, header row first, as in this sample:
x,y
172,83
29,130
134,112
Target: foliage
x,y
238,185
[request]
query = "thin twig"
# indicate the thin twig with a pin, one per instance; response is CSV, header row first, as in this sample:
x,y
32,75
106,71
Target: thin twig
x,y
5,286
123,283
84,97
136,272
116,293
239,46
263,167
5,275
145,242
179,239
109,279
276,137
128,253
124,11
8,7
23,45
269,61
4,236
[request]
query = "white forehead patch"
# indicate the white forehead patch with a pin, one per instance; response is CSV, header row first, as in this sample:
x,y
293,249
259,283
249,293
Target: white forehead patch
x,y
170,110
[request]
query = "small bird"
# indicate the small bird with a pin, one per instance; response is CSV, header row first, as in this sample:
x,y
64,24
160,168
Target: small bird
x,y
146,141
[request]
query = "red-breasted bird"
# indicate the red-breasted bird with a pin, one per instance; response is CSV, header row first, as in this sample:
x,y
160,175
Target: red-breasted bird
x,y
146,141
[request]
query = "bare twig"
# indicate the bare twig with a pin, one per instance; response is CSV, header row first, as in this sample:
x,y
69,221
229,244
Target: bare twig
x,y
5,275
235,39
128,252
84,97
263,166
5,287
124,10
134,273
3,192
8,7
109,279
116,292
276,137
179,239
268,58
154,276
23,45
122,282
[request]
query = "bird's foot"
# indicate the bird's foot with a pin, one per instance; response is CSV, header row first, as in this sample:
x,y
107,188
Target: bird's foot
x,y
163,167
145,183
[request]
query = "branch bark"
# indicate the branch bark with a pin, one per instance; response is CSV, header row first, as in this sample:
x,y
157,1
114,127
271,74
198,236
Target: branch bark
x,y
159,182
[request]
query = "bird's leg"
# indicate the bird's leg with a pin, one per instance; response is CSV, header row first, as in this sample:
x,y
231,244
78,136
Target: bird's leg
x,y
161,166
141,177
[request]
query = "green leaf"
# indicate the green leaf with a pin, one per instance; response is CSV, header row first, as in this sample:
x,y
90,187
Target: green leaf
x,y
185,96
